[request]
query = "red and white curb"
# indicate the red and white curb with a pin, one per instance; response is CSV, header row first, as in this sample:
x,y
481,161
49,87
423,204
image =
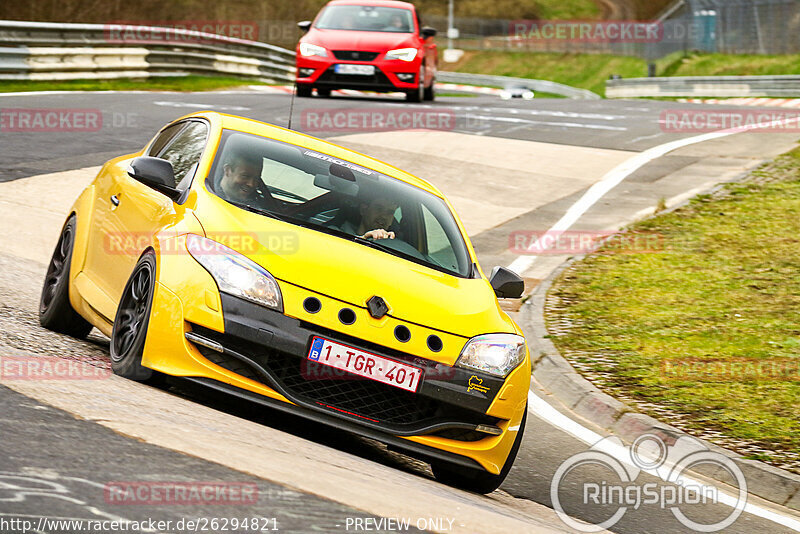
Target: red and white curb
x,y
761,102
287,90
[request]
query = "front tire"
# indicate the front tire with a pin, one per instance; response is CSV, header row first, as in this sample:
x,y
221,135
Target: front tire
x,y
430,92
55,311
304,90
479,481
416,95
130,324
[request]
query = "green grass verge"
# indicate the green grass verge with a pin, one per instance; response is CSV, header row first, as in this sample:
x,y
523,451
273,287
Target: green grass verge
x,y
172,83
568,9
707,327
578,70
590,71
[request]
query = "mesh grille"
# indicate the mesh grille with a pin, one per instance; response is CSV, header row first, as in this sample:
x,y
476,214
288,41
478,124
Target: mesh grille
x,y
378,79
348,392
354,55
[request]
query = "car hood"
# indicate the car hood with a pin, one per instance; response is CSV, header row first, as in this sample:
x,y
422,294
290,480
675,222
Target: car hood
x,y
353,273
358,40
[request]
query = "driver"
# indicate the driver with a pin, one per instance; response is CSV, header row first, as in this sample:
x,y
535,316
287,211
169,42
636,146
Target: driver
x,y
241,181
377,214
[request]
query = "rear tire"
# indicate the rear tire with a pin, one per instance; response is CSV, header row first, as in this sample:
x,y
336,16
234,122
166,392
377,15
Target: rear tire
x,y
55,311
479,481
130,325
303,90
324,93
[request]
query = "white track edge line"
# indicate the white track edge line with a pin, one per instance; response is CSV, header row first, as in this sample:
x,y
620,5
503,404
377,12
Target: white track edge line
x,y
550,415
616,175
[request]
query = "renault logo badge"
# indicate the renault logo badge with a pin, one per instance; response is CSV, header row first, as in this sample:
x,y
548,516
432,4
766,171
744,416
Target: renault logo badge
x,y
377,307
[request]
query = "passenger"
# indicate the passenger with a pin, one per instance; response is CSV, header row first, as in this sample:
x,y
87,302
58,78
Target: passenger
x,y
396,24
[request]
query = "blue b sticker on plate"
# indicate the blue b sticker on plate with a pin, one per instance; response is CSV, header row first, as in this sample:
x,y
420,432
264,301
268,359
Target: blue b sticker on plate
x,y
316,349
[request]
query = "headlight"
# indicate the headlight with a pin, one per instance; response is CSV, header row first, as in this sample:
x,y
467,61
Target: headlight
x,y
308,49
234,273
496,354
403,54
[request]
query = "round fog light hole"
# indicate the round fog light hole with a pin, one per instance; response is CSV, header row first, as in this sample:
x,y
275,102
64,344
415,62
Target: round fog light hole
x,y
347,316
312,305
402,333
434,343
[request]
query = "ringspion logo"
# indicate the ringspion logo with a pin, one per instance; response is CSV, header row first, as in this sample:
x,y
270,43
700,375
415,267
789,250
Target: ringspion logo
x,y
612,485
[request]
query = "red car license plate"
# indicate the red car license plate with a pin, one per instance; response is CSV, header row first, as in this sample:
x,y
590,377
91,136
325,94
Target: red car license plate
x,y
365,364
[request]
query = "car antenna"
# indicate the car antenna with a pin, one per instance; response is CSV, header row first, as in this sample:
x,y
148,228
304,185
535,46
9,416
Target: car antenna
x,y
291,104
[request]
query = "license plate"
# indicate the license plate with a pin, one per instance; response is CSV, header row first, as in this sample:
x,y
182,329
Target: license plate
x,y
365,364
347,68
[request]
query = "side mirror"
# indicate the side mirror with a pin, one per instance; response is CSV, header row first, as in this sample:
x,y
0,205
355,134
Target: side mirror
x,y
506,284
427,32
304,25
155,173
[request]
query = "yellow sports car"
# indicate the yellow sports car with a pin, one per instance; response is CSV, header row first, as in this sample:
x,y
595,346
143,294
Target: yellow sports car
x,y
295,273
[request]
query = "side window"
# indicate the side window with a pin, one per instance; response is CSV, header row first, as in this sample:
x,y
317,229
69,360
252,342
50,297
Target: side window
x,y
185,149
163,138
439,246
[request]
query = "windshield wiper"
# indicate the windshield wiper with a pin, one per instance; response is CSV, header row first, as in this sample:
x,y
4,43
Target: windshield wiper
x,y
375,244
292,220
253,209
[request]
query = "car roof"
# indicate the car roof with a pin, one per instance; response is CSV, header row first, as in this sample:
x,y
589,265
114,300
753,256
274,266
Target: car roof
x,y
384,3
242,124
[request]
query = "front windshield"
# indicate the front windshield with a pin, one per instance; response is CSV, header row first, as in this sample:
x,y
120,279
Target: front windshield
x,y
366,18
318,191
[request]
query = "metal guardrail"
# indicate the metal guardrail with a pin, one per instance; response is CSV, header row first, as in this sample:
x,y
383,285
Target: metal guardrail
x,y
544,86
705,86
50,51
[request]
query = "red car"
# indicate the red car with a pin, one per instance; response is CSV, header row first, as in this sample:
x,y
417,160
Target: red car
x,y
375,45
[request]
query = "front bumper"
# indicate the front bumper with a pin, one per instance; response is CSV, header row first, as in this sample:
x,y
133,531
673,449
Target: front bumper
x,y
385,77
256,353
269,347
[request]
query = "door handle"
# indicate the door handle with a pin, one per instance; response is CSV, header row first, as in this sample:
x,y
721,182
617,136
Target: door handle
x,y
115,200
